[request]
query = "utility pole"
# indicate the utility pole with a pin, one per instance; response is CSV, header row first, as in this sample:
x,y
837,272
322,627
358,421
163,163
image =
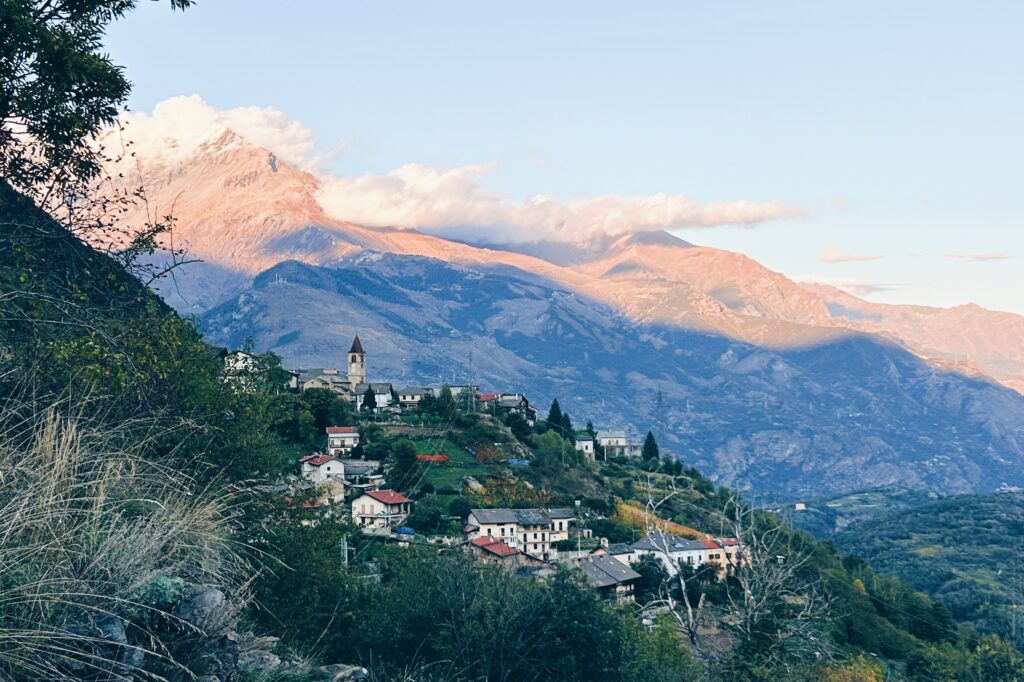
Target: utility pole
x,y
344,550
471,397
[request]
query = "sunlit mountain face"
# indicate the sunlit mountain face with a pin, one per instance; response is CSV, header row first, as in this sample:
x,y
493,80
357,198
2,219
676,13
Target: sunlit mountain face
x,y
241,210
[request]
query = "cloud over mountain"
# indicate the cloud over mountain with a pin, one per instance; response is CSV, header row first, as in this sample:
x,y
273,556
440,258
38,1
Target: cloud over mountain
x,y
451,201
180,125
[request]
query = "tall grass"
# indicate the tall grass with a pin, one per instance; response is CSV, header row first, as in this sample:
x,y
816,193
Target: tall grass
x,y
95,544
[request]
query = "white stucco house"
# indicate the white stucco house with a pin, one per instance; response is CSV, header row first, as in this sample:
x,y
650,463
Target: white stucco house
x,y
585,446
380,509
672,550
617,444
318,468
341,440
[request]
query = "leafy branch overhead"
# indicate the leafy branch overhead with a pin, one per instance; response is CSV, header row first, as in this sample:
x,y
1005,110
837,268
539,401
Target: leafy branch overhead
x,y
58,89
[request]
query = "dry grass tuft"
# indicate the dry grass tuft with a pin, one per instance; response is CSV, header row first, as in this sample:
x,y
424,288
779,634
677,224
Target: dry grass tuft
x,y
94,540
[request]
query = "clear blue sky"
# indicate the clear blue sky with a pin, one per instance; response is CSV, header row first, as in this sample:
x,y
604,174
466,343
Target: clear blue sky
x,y
897,125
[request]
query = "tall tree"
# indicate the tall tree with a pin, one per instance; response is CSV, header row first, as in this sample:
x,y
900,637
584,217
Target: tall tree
x,y
369,400
650,449
554,419
405,465
58,89
446,405
567,428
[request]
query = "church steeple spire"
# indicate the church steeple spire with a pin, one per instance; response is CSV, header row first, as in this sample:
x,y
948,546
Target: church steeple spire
x,y
356,364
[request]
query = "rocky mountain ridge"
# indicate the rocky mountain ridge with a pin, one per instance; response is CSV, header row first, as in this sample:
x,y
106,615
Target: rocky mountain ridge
x,y
845,413
242,211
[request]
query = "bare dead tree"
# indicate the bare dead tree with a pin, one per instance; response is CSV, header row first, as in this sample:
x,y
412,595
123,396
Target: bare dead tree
x,y
687,615
779,604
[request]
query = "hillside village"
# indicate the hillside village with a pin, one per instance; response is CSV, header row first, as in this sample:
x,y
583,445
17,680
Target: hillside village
x,y
385,498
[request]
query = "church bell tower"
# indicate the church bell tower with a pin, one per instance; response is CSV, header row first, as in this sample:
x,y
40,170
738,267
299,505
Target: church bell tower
x,y
356,364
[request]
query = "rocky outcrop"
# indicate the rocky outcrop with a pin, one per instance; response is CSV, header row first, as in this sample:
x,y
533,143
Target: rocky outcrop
x,y
203,636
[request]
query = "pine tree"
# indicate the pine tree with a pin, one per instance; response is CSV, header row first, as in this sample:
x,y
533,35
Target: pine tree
x,y
555,416
369,400
650,450
567,429
446,405
591,431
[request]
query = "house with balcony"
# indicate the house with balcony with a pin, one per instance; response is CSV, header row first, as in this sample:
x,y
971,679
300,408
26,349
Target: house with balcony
x,y
531,531
380,510
616,443
341,440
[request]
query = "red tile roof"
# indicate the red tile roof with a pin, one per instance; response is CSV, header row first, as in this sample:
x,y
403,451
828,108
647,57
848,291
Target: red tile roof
x,y
317,459
333,430
487,397
489,544
388,496
501,549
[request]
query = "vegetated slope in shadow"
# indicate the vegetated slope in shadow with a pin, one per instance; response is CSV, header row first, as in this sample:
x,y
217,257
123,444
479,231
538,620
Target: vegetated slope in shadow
x,y
851,413
964,550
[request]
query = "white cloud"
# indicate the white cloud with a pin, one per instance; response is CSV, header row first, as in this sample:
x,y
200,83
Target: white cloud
x,y
453,202
450,201
980,257
180,125
836,256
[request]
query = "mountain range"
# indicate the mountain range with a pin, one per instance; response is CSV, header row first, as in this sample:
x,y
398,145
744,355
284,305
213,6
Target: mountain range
x,y
765,382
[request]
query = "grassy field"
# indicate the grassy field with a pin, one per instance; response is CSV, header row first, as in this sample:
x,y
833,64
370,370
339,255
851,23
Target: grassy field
x,y
444,446
448,474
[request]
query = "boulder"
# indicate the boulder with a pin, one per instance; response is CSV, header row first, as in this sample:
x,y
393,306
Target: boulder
x,y
202,606
258,661
339,672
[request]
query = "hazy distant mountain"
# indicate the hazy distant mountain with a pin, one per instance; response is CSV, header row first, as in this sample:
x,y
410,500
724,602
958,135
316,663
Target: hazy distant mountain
x,y
848,413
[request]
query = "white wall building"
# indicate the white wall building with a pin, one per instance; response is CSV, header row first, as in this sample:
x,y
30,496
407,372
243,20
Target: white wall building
x,y
585,445
341,440
380,509
531,531
319,468
617,444
672,550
